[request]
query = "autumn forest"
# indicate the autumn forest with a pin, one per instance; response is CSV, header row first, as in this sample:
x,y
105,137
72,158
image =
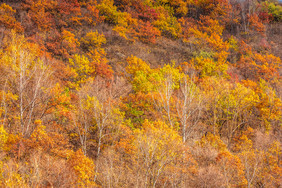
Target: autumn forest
x,y
140,93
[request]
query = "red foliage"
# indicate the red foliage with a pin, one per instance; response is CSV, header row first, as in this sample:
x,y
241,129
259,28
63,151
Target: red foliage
x,y
92,15
68,7
144,12
103,69
69,12
53,43
146,32
265,17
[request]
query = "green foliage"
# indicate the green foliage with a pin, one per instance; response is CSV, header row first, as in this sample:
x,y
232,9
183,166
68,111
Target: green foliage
x,y
274,9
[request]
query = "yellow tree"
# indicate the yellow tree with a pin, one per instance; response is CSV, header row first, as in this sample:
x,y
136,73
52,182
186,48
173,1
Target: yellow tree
x,y
96,120
167,82
160,83
27,81
230,106
158,156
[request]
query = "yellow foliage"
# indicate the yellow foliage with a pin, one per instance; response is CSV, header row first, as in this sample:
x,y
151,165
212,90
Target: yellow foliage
x,y
159,138
167,24
69,39
209,67
145,79
3,137
11,175
135,64
82,68
93,40
84,169
213,141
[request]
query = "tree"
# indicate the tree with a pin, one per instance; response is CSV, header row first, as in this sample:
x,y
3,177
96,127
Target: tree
x,y
255,66
230,166
168,81
232,169
41,13
159,154
27,78
96,120
189,105
83,168
271,173
250,157
268,104
230,106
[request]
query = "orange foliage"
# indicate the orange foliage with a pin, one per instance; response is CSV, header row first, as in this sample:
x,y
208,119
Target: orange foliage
x,y
7,18
65,85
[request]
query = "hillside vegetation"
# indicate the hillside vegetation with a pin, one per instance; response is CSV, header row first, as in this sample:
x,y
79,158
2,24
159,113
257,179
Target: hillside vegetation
x,y
140,93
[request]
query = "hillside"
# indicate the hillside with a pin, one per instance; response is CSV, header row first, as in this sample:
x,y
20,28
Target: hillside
x,y
140,93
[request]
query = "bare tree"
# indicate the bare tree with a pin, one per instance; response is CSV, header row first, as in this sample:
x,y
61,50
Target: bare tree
x,y
189,105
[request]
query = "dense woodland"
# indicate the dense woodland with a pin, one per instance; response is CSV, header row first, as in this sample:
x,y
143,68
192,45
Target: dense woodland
x,y
140,93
